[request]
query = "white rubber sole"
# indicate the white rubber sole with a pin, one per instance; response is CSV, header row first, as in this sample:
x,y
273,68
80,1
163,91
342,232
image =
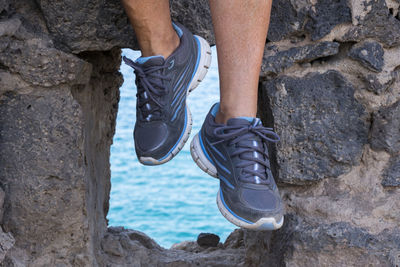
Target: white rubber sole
x,y
202,68
204,164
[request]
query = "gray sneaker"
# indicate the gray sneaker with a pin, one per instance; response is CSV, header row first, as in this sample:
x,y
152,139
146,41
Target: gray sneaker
x,y
163,120
237,154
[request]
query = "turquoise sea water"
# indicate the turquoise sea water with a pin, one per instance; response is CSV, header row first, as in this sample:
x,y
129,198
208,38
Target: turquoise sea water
x,y
172,202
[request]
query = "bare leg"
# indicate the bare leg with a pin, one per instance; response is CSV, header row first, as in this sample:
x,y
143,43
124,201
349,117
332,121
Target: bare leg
x,y
240,32
151,21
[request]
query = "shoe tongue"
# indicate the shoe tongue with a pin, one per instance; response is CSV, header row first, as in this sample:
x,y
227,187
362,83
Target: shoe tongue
x,y
150,61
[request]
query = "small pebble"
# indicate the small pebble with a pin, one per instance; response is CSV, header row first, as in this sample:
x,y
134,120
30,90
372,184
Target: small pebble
x,y
207,240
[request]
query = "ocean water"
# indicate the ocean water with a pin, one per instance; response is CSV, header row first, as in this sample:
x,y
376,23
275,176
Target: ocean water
x,y
172,202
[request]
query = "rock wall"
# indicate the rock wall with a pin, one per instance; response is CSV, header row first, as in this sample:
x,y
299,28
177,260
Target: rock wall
x,y
329,86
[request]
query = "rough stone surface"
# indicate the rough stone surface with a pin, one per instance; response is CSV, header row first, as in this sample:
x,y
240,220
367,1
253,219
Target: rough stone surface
x,y
314,144
373,83
275,62
301,243
6,243
2,195
325,15
195,15
102,25
133,248
297,18
385,132
369,54
207,240
59,82
37,62
57,120
42,170
336,244
235,239
377,23
287,20
391,176
6,239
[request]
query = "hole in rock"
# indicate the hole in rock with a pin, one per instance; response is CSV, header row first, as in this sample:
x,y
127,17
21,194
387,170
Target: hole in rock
x,y
172,202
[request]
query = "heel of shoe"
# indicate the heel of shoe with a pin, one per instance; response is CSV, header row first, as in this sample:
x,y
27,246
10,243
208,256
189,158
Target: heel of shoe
x,y
200,158
204,62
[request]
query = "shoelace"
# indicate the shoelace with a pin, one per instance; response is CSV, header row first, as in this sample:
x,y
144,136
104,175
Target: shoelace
x,y
150,87
234,134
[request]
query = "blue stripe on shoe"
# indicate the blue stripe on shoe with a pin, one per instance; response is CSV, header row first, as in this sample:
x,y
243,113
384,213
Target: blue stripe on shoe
x,y
180,137
177,110
226,181
142,60
195,69
209,158
204,149
230,211
217,151
179,81
177,29
222,166
198,57
178,96
214,109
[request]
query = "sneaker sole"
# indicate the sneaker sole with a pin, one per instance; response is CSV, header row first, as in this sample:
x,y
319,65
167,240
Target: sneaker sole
x,y
199,156
203,65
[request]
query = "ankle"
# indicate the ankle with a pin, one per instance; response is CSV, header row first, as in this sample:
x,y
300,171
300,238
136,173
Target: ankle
x,y
164,44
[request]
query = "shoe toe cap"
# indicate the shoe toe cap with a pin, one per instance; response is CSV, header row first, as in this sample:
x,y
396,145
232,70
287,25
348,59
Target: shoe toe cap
x,y
253,205
151,137
262,200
